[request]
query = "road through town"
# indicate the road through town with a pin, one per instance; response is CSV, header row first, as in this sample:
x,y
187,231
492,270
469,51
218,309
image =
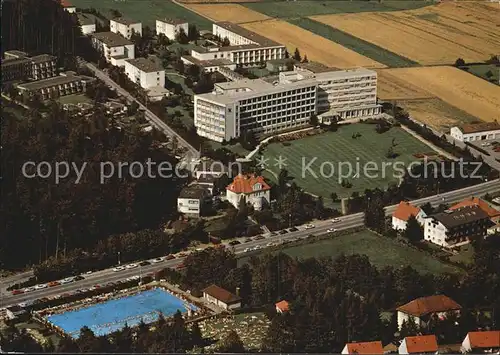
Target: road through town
x,y
321,227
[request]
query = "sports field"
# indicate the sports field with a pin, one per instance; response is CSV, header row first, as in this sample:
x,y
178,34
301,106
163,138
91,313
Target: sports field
x,y
431,35
105,318
146,11
340,150
227,12
316,48
456,87
381,251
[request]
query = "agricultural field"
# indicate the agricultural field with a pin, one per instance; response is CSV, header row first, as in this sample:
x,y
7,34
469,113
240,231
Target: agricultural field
x,y
146,11
314,46
489,72
436,113
431,35
286,9
390,87
227,12
456,87
345,153
367,49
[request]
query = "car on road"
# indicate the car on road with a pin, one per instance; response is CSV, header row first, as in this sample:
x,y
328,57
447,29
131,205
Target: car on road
x,y
293,229
118,268
40,286
309,226
53,283
157,260
247,250
284,231
331,230
79,278
88,272
67,280
170,257
234,242
336,220
29,289
144,263
131,266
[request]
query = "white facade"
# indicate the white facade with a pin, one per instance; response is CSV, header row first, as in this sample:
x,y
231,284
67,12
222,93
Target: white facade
x,y
220,303
145,72
125,27
70,9
256,198
210,66
404,317
170,28
461,134
115,48
435,232
88,29
189,206
253,105
400,224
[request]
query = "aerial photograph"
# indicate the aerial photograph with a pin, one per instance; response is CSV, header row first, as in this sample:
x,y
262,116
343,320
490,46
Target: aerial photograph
x,y
250,176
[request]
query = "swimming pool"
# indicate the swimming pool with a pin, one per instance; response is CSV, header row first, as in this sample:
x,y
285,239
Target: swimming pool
x,y
105,318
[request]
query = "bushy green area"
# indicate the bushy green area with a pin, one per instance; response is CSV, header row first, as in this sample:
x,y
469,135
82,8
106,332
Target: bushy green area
x,y
482,70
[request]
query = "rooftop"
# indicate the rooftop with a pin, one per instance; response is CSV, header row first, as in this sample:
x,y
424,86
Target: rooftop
x,y
421,344
431,304
480,127
62,79
111,39
85,20
247,184
208,63
371,347
283,306
42,58
14,53
172,21
486,339
258,39
476,201
195,192
315,67
460,216
405,210
125,21
148,65
221,294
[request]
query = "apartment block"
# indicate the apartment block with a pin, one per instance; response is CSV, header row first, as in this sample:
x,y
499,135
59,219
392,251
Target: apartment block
x,y
170,27
125,27
87,24
343,94
476,132
149,74
253,105
114,47
65,84
18,65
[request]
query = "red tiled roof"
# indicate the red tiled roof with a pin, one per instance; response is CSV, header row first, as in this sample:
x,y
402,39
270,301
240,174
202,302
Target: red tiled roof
x,y
283,306
432,304
421,344
221,294
66,3
371,347
475,201
245,183
405,210
490,339
480,127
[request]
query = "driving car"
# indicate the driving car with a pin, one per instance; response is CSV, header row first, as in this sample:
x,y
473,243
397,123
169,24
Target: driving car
x,y
118,268
309,226
53,283
234,242
331,230
39,287
144,263
336,220
29,289
79,278
131,266
157,260
67,280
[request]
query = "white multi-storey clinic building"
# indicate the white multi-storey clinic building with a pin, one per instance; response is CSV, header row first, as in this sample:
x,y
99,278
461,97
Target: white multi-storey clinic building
x,y
265,108
145,72
114,47
253,105
125,27
170,27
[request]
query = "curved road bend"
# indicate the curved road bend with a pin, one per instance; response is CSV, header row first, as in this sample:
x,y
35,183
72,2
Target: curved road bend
x,y
346,222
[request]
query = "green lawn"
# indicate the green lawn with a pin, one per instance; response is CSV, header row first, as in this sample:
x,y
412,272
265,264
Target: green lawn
x,y
340,150
74,99
146,11
367,49
480,70
381,251
179,79
286,9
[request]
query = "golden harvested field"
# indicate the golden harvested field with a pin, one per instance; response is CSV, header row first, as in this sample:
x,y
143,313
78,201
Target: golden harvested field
x,y
431,35
391,87
315,47
436,113
227,12
456,87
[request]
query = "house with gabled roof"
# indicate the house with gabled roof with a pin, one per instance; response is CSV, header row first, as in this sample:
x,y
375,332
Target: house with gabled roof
x,y
482,342
221,297
403,212
492,212
253,189
282,306
421,309
371,347
421,344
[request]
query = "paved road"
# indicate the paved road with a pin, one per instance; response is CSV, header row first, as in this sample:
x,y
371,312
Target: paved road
x,y
321,227
192,153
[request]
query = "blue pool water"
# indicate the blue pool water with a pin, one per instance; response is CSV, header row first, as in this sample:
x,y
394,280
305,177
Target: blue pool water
x,y
107,317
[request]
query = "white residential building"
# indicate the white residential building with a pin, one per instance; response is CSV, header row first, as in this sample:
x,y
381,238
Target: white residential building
x,y
402,214
343,94
125,27
209,65
170,27
192,200
87,24
453,228
253,189
371,348
476,132
253,105
422,344
145,72
421,309
114,47
221,297
68,6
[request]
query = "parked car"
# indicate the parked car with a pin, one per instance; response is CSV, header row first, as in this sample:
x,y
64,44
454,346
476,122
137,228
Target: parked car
x,y
234,242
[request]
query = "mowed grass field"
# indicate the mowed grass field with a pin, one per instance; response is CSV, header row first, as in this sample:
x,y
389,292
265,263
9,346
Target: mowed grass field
x,y
316,48
456,87
432,35
381,251
340,149
146,11
227,12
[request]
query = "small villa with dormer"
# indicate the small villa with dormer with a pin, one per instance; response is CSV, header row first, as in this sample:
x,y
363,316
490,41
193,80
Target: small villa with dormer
x,y
252,188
